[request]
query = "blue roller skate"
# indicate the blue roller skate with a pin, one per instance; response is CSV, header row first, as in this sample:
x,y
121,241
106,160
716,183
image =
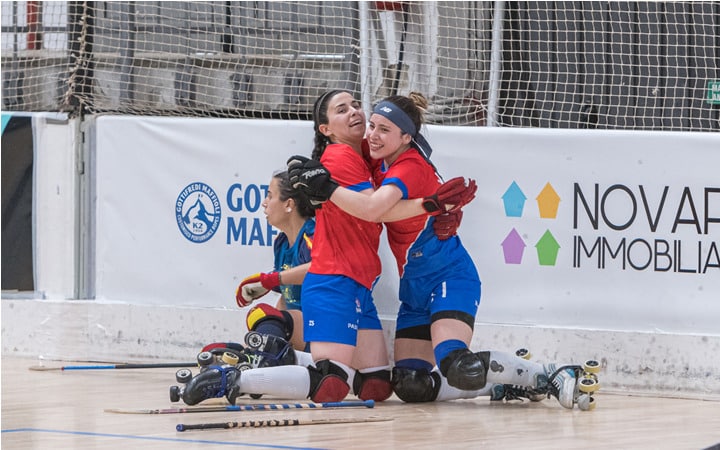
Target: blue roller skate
x,y
215,382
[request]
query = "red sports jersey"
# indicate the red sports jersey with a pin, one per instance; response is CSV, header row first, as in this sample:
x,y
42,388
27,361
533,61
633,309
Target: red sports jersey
x,y
416,179
344,244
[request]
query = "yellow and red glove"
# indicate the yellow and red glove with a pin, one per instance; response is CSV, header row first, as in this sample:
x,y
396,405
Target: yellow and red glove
x,y
255,286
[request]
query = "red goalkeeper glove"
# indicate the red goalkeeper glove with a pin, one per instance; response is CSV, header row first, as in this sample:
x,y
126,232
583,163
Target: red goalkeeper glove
x,y
450,196
446,225
255,286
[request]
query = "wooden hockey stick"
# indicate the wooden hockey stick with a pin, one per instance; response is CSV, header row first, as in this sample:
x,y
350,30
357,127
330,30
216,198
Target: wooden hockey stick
x,y
276,423
249,407
117,366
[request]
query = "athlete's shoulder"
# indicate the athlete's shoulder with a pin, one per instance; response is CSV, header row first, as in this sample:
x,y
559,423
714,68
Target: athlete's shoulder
x,y
335,152
307,234
410,163
347,166
308,227
412,156
281,240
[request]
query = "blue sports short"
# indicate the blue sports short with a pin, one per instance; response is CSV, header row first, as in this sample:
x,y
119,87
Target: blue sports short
x,y
335,307
457,288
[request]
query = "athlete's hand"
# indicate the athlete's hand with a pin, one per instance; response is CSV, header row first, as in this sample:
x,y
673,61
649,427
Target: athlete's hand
x,y
311,177
446,225
255,286
294,167
450,196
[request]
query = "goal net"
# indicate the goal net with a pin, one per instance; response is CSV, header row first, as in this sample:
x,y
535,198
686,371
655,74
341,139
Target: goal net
x,y
613,65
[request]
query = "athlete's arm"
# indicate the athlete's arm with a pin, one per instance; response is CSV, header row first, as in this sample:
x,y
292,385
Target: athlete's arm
x,y
294,275
382,205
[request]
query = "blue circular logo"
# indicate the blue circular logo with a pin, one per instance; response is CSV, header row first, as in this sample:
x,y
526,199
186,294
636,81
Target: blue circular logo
x,y
197,211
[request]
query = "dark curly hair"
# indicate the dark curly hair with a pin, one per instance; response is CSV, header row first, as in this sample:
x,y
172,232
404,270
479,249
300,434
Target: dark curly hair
x,y
302,202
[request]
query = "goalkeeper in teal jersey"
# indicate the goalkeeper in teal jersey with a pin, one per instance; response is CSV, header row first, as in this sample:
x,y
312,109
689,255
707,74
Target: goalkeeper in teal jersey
x,y
291,212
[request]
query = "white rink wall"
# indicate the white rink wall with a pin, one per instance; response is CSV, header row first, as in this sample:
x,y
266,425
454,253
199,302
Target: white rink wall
x,y
590,244
657,364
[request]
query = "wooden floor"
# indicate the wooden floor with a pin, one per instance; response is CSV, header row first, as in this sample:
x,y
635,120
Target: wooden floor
x,y
66,410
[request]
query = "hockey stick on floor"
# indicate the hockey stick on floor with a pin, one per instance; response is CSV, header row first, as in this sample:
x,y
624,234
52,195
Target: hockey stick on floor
x,y
276,423
117,366
249,407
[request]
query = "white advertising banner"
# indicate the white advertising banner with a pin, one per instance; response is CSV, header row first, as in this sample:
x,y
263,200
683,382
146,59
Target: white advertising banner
x,y
578,229
179,219
591,229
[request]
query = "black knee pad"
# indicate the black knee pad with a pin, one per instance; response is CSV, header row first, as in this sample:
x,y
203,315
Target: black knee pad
x,y
415,385
466,370
373,385
328,382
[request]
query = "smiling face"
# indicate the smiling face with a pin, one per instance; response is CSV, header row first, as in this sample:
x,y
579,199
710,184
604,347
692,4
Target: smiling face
x,y
346,120
386,140
274,207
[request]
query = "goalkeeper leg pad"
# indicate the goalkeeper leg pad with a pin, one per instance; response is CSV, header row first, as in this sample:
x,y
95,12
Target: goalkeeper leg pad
x,y
267,319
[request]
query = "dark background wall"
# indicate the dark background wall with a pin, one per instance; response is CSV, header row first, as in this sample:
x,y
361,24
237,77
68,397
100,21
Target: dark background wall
x,y
17,173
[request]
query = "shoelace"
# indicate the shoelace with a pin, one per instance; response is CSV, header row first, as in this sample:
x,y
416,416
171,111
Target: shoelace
x,y
514,392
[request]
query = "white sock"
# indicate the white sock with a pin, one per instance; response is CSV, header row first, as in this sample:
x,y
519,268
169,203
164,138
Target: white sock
x,y
304,359
374,369
348,370
291,382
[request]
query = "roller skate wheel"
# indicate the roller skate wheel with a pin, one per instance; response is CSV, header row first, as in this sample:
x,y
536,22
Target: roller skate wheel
x,y
175,393
256,396
586,402
243,366
205,359
183,375
523,353
588,385
230,358
591,366
254,340
590,375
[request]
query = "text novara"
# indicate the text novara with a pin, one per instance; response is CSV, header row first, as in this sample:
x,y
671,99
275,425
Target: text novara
x,y
673,229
